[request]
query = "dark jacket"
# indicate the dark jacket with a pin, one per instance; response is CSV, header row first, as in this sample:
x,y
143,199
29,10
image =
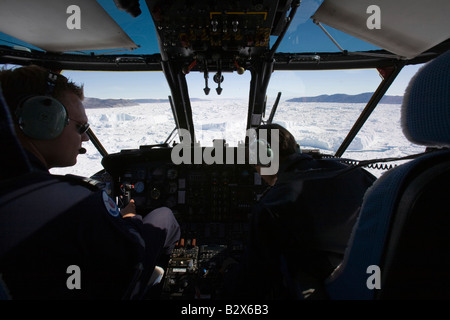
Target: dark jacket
x,y
49,223
300,227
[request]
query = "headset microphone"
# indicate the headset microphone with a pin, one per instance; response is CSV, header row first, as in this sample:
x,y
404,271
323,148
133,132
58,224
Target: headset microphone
x,y
82,151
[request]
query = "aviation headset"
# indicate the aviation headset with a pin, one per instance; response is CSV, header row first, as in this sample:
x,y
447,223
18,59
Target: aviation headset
x,y
42,117
262,144
259,144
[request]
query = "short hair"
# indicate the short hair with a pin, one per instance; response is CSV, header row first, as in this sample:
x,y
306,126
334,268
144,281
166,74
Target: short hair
x,y
19,83
287,143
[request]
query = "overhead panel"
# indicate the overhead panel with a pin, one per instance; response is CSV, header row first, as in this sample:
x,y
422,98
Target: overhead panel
x,y
62,25
404,27
224,27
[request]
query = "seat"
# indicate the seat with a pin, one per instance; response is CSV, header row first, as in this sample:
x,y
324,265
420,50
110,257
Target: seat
x,y
400,244
14,161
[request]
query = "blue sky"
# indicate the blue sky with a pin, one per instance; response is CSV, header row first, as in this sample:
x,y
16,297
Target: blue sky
x,y
141,85
129,85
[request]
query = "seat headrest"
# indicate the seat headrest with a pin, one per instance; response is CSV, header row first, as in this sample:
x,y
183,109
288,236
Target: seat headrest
x,y
14,160
426,104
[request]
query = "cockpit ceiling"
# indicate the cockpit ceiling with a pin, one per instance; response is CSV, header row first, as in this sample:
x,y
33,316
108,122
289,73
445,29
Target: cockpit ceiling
x,y
47,24
112,39
406,28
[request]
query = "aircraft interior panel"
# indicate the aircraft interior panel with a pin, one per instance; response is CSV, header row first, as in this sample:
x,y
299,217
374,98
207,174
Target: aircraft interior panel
x,y
211,202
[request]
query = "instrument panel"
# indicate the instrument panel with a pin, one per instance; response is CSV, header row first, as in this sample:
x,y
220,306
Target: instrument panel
x,y
211,203
194,192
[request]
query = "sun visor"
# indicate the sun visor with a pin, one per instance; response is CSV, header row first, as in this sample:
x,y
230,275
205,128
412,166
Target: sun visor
x,y
62,25
404,27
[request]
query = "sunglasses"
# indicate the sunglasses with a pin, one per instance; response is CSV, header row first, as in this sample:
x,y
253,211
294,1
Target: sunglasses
x,y
81,127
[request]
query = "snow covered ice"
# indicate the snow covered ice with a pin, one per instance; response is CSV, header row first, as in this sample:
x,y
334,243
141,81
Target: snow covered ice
x,y
320,126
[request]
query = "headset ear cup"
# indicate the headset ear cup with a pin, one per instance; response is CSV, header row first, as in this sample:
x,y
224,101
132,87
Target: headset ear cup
x,y
255,149
42,117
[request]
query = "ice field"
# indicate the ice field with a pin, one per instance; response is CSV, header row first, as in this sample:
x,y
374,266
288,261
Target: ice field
x,y
320,126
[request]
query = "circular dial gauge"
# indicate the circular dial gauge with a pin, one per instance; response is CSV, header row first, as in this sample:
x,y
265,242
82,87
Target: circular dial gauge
x,y
139,186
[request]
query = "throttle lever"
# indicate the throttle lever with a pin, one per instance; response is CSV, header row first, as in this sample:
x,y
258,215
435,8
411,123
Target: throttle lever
x,y
125,198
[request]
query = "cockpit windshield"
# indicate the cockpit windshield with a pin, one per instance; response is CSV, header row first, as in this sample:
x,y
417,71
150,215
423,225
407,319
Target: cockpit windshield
x,y
128,110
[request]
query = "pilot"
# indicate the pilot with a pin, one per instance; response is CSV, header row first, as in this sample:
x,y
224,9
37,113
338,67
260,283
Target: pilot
x,y
63,237
300,226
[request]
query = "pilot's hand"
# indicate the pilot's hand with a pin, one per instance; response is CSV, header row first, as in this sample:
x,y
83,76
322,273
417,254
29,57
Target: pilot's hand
x,y
129,210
